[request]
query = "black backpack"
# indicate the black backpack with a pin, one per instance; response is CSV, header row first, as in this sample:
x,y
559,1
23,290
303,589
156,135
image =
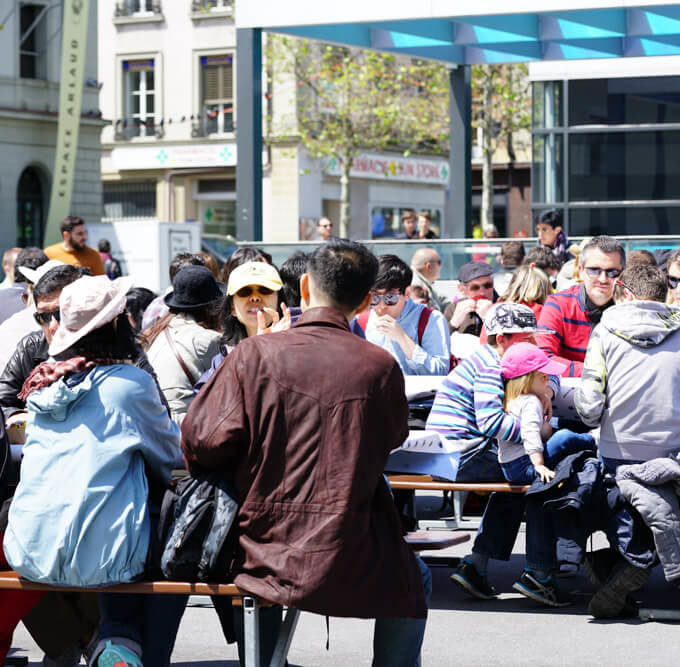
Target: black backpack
x,y
196,527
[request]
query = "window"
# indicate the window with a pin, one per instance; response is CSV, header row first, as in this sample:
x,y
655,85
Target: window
x,y
633,220
32,41
137,7
129,199
217,96
139,100
386,220
221,6
547,104
624,166
624,101
546,170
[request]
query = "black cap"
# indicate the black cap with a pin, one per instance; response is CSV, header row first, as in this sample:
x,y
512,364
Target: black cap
x,y
473,270
194,287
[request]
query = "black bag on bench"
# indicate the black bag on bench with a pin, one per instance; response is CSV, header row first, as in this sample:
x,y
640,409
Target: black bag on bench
x,y
195,527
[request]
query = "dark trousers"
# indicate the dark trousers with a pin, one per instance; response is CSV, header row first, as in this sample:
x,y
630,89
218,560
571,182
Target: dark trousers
x,y
504,512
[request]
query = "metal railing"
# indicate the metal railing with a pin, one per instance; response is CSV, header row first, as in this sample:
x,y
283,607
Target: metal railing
x,y
453,252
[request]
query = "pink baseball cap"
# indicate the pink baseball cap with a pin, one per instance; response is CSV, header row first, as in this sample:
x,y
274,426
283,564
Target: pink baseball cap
x,y
523,358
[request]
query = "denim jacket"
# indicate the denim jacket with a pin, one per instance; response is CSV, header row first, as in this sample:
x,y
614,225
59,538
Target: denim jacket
x,y
80,515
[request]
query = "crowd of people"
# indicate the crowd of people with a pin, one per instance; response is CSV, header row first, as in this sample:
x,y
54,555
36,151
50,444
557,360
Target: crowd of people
x,y
290,383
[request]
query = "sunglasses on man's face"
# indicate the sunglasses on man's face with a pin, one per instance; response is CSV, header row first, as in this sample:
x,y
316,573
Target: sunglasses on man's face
x,y
247,291
595,271
673,281
389,299
43,319
476,288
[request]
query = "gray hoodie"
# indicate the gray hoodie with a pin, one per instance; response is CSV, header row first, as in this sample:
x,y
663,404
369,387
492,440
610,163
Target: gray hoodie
x,y
631,375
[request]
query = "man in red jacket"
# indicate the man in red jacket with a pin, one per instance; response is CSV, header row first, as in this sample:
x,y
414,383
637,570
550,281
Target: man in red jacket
x,y
302,422
568,317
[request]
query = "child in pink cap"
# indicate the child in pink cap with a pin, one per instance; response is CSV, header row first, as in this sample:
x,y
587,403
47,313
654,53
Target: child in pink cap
x,y
525,369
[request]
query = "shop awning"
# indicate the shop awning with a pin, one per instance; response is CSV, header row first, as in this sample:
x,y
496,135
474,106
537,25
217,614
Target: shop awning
x,y
490,31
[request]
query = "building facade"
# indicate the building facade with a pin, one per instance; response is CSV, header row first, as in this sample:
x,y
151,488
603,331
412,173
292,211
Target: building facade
x,y
169,152
30,67
605,135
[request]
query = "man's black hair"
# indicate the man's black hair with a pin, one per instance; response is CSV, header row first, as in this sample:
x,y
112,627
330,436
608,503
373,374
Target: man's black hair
x,y
543,258
182,259
393,273
345,271
646,282
104,246
137,299
552,217
55,280
69,222
30,257
290,273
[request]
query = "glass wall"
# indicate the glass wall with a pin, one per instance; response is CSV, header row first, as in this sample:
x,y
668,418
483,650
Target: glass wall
x,y
604,153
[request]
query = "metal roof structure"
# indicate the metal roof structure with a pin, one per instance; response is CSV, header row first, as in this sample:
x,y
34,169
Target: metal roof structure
x,y
489,31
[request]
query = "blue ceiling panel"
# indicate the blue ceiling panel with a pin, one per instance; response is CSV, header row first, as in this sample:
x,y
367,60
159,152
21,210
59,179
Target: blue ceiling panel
x,y
548,35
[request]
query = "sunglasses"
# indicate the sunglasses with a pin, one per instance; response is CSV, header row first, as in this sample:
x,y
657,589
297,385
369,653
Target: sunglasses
x,y
673,281
390,299
595,271
620,283
43,319
247,291
476,288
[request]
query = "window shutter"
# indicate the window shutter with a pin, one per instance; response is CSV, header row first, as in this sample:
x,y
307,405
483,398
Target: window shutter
x,y
227,83
211,84
218,82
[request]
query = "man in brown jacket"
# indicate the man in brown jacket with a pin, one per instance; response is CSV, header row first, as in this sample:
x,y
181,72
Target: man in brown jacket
x,y
302,422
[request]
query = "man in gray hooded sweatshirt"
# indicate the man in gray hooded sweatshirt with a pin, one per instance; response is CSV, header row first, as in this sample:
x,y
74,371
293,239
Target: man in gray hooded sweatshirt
x,y
628,387
631,373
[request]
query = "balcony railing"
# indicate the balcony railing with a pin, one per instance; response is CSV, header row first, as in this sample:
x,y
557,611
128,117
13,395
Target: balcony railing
x,y
209,123
129,129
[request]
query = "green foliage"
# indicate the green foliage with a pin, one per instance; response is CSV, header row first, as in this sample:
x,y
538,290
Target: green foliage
x,y
350,100
501,103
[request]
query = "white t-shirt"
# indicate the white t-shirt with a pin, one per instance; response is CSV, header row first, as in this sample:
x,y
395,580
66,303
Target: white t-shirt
x,y
528,409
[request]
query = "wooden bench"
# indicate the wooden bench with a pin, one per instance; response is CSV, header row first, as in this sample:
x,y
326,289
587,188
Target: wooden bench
x,y
417,540
10,580
459,491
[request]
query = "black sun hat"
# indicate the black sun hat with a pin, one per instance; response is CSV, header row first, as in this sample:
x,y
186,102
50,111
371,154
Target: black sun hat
x,y
194,287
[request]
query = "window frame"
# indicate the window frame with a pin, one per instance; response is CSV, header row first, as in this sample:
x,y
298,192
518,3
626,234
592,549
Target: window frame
x,y
199,106
122,91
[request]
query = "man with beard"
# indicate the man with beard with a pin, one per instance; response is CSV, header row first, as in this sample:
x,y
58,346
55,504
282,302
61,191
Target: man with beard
x,y
74,249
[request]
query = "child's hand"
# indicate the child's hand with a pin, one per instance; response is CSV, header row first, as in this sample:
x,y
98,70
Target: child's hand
x,y
544,473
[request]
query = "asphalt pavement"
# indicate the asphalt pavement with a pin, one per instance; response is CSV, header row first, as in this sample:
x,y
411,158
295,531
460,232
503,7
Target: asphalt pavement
x,y
510,630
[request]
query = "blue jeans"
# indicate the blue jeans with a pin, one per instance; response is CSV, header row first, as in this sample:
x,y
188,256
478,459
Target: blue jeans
x,y
503,514
541,540
611,465
561,444
150,621
396,641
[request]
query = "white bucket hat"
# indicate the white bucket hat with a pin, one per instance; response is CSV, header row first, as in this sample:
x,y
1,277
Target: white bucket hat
x,y
85,305
34,275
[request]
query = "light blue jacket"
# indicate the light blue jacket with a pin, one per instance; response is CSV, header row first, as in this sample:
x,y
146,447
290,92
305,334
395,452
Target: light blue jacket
x,y
432,357
79,516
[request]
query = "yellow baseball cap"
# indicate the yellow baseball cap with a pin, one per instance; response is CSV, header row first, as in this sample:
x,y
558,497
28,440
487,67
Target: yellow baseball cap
x,y
254,273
